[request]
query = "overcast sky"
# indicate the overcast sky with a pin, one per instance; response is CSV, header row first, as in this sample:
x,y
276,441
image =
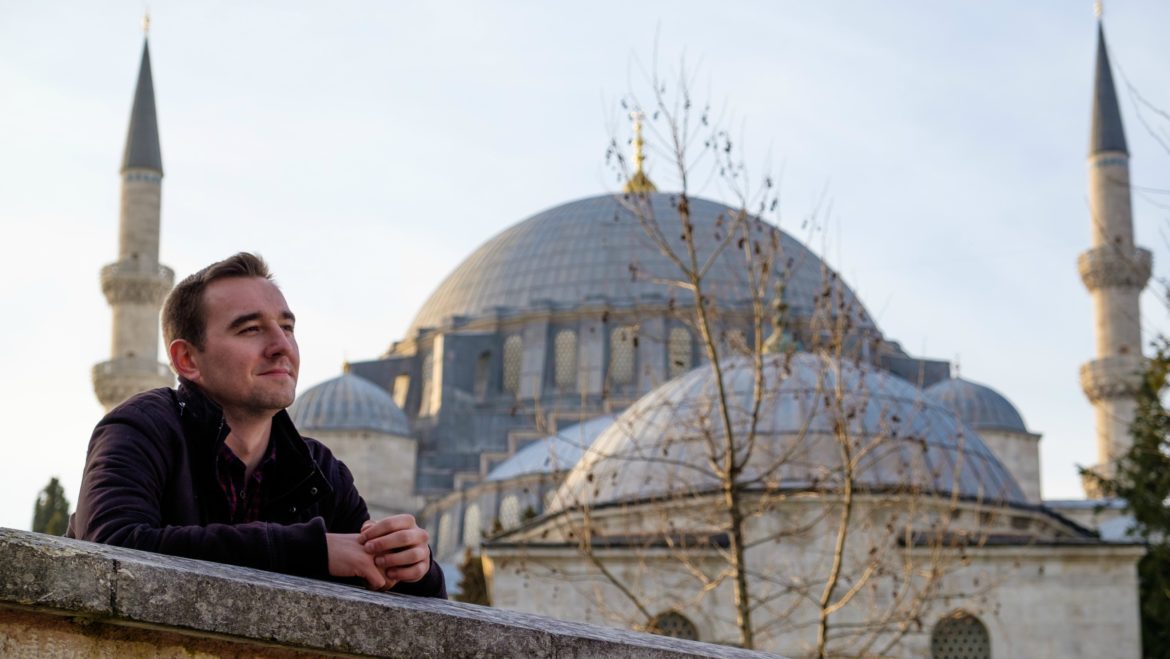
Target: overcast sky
x,y
365,148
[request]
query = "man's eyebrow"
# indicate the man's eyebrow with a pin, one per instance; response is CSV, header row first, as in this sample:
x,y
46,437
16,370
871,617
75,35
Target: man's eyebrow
x,y
288,315
244,319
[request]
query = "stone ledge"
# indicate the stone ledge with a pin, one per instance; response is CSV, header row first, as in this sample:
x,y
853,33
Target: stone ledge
x,y
198,599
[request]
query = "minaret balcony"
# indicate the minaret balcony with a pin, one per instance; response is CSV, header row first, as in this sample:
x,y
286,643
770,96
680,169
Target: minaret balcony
x,y
118,379
1116,376
1110,266
136,283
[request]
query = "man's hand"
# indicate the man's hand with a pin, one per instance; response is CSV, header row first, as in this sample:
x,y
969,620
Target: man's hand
x,y
398,547
347,558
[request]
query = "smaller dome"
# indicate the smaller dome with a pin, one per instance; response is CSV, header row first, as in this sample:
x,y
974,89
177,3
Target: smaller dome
x,y
979,406
348,402
559,452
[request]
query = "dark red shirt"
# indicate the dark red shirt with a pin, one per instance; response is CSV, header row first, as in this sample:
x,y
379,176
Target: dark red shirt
x,y
245,500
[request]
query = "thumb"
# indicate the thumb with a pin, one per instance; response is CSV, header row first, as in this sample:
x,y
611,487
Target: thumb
x,y
373,576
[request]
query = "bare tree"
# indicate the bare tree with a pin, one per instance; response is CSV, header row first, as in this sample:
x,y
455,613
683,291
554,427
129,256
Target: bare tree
x,y
840,523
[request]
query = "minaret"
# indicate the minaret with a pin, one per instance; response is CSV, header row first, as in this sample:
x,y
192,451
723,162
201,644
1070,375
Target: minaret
x,y
1115,271
136,284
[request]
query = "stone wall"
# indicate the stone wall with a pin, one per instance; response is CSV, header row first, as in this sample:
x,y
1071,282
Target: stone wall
x,y
61,597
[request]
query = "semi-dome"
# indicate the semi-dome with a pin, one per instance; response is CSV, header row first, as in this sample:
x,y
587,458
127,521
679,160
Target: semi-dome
x,y
596,250
901,439
348,402
554,453
979,406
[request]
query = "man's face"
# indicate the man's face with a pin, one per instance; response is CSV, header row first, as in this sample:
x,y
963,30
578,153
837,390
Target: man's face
x,y
250,359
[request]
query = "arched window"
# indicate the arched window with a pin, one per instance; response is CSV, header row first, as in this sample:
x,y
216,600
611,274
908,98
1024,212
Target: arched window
x,y
513,353
674,624
679,351
510,512
472,531
960,635
428,365
621,355
483,369
565,360
446,535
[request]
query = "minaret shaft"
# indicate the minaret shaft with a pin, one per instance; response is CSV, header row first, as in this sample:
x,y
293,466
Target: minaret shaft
x,y
136,284
1115,271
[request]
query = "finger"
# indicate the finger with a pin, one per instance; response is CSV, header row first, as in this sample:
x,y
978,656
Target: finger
x,y
396,541
410,573
387,525
401,558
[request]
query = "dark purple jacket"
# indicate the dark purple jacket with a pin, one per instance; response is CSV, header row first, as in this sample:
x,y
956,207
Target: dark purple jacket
x,y
150,484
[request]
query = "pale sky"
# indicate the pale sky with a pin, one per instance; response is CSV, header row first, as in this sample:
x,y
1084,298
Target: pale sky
x,y
366,148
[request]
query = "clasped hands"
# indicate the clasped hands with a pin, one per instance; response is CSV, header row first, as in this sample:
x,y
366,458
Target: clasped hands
x,y
387,551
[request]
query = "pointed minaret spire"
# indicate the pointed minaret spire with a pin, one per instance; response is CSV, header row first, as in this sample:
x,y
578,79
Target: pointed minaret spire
x,y
1115,270
1107,132
639,182
136,283
142,147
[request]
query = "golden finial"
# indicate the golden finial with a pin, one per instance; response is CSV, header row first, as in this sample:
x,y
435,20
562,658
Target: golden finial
x,y
1098,9
345,367
146,23
639,182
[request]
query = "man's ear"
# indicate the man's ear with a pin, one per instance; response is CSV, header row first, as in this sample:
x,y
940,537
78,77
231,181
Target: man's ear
x,y
185,359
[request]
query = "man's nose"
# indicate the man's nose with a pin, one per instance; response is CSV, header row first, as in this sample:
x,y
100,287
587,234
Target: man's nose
x,y
280,342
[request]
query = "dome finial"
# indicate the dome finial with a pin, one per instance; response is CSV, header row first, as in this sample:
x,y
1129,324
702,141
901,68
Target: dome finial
x,y
146,24
779,342
1098,9
639,182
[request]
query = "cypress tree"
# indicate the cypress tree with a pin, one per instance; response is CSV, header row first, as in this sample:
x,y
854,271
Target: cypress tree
x,y
51,512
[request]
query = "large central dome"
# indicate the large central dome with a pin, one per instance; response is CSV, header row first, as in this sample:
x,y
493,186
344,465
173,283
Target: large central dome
x,y
595,250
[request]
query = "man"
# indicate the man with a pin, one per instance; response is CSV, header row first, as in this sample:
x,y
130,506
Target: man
x,y
215,470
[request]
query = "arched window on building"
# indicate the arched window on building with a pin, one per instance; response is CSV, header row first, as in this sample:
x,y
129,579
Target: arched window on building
x,y
565,360
428,364
679,351
674,624
960,635
446,535
622,341
483,370
513,354
472,531
510,512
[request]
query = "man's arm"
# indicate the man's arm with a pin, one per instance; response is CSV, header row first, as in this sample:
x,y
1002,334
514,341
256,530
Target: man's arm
x,y
121,503
129,462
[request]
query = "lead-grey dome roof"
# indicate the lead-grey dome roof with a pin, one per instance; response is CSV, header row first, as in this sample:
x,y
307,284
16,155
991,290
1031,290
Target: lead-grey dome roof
x,y
348,402
588,250
978,405
554,453
904,440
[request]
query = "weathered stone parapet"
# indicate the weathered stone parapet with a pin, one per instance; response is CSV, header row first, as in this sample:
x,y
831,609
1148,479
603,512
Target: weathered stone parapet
x,y
74,598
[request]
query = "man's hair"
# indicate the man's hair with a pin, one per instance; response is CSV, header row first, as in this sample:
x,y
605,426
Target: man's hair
x,y
183,315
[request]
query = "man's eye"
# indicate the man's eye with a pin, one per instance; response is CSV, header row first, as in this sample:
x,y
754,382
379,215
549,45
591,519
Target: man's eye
x,y
251,329
288,328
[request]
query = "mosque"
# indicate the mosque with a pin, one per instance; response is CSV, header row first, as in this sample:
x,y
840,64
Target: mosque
x,y
552,407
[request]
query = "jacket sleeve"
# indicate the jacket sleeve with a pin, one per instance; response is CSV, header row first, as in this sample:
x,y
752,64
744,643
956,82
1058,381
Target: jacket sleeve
x,y
121,502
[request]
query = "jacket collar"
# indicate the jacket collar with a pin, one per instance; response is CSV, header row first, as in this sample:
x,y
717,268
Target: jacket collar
x,y
207,427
